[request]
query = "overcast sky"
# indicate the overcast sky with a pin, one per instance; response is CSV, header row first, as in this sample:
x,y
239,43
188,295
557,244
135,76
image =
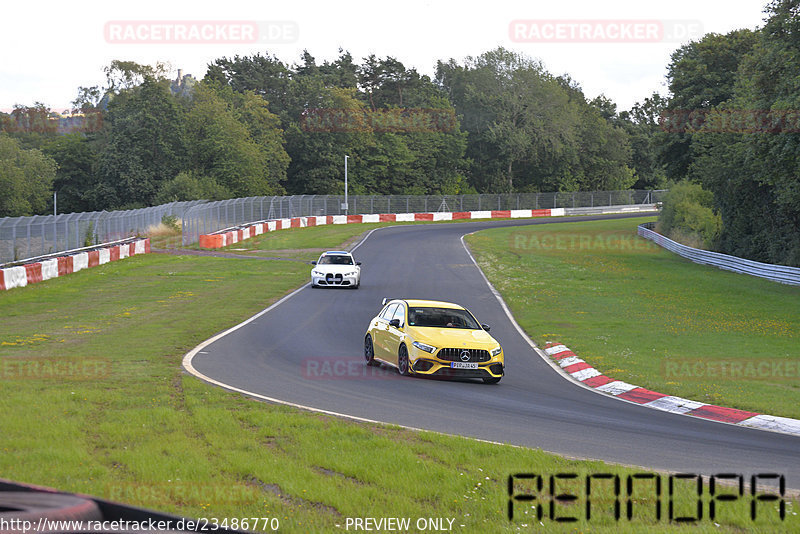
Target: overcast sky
x,y
48,50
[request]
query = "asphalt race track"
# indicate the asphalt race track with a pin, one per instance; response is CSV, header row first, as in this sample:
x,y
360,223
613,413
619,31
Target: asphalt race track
x,y
291,353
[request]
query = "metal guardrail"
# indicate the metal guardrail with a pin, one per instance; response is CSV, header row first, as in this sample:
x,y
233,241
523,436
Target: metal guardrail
x,y
211,217
776,273
22,238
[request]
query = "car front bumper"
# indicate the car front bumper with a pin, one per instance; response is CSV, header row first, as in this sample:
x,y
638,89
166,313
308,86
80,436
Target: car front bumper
x,y
337,280
423,363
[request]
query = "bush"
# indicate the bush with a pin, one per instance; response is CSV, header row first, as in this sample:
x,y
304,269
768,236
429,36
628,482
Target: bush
x,y
688,216
171,222
190,186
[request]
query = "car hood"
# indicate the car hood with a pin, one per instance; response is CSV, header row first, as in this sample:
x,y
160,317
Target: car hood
x,y
453,337
335,268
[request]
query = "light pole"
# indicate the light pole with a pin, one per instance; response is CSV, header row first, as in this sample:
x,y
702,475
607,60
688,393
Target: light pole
x,y
346,205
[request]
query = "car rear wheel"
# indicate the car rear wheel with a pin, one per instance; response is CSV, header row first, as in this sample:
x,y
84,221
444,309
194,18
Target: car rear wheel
x,y
402,361
369,352
492,380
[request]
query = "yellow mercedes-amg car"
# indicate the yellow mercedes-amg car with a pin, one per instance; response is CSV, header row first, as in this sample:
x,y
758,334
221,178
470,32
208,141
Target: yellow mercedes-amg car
x,y
433,338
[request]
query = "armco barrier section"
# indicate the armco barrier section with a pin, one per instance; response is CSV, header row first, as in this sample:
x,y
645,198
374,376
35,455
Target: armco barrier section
x,y
776,273
229,236
39,271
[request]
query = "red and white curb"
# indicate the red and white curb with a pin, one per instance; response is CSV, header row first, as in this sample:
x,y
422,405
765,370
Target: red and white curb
x,y
225,238
39,271
582,372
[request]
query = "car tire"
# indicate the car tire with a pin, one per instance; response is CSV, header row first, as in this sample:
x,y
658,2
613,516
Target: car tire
x,y
492,380
403,366
369,351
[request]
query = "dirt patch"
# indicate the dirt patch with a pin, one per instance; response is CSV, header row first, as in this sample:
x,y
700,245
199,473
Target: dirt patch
x,y
331,473
217,254
291,500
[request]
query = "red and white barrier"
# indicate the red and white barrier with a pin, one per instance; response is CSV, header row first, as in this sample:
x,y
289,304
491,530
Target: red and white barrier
x,y
587,375
224,239
34,272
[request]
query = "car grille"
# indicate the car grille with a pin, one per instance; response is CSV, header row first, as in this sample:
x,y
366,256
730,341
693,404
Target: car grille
x,y
454,355
334,280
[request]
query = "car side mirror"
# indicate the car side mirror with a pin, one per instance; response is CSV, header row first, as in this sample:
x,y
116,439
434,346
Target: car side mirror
x,y
486,327
395,323
358,263
313,262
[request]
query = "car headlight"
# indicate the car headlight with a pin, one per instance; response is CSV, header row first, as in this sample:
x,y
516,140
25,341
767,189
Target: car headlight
x,y
424,346
317,273
495,352
352,273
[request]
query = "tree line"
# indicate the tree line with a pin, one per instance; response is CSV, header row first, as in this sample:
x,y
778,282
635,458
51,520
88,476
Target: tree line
x,y
495,123
731,127
254,125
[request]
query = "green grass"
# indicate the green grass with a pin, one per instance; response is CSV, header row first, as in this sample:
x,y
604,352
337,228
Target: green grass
x,y
131,426
641,314
303,243
308,243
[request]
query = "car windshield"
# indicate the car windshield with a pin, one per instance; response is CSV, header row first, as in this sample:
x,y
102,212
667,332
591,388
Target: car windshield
x,y
442,318
335,260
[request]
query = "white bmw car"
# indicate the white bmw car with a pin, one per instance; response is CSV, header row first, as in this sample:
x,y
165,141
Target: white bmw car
x,y
336,268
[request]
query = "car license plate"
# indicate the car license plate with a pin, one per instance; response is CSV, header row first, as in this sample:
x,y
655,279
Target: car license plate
x,y
463,365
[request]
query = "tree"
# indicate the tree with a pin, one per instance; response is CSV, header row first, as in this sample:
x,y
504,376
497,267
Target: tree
x,y
123,75
751,164
530,131
146,145
25,179
644,132
246,162
191,186
701,75
76,176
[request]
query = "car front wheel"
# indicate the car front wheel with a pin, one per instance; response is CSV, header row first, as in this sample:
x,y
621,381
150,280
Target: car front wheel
x,y
369,352
402,361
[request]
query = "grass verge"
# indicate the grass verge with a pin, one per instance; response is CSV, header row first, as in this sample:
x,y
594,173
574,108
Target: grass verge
x,y
94,400
646,316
